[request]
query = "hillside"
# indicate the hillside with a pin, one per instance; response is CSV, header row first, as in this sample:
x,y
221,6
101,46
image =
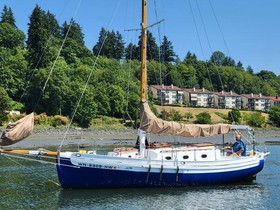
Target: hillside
x,y
195,111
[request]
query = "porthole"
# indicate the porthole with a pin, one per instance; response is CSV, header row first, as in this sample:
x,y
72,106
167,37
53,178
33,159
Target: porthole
x,y
185,157
204,156
168,158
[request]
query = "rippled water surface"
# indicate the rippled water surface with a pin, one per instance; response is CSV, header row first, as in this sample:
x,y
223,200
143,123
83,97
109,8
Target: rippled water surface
x,y
32,185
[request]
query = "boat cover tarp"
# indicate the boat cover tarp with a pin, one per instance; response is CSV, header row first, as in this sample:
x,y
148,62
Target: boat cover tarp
x,y
18,130
151,124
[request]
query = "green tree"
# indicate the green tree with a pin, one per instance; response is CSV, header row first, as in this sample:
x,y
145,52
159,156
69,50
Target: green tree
x,y
7,16
218,58
167,51
41,49
4,105
274,115
152,47
255,119
110,44
87,109
11,37
203,118
13,70
131,52
234,116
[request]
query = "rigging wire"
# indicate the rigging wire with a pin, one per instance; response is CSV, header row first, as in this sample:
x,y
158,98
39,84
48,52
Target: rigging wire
x,y
18,163
220,29
60,49
209,44
89,77
41,56
200,44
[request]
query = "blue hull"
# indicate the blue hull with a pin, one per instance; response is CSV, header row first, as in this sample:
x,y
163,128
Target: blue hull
x,y
84,177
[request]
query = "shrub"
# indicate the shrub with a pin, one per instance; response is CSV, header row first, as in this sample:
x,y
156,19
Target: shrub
x,y
234,116
274,115
58,120
203,118
255,119
188,116
41,119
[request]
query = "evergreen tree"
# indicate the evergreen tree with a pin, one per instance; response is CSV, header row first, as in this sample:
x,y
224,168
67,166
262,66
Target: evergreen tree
x,y
54,27
74,49
98,48
167,51
250,70
152,48
11,37
217,58
74,33
109,44
7,16
40,52
131,52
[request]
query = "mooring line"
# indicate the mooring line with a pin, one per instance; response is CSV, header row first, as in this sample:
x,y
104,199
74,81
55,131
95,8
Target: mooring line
x,y
8,157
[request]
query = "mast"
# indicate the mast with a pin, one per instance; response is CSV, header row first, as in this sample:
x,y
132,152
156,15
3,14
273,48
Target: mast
x,y
143,93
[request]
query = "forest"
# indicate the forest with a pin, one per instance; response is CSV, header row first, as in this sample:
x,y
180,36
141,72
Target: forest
x,y
49,68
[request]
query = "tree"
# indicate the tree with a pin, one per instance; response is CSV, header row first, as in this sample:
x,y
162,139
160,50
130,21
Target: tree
x,y
218,58
40,51
266,75
152,48
13,70
11,37
255,119
274,115
234,116
7,16
166,51
203,118
131,52
4,105
110,44
74,33
250,70
87,108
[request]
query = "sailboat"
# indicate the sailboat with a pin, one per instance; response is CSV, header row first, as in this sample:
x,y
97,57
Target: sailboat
x,y
150,165
159,164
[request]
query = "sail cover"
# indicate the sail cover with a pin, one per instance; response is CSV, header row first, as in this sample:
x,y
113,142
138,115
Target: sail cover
x,y
18,130
151,124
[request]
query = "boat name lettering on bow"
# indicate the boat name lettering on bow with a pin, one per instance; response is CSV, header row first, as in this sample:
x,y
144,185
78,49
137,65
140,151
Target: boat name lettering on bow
x,y
96,166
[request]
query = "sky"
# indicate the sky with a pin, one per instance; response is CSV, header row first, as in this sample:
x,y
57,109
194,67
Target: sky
x,y
246,30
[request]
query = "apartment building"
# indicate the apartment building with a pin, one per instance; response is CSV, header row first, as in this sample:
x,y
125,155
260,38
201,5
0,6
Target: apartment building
x,y
274,100
198,97
255,102
167,94
227,100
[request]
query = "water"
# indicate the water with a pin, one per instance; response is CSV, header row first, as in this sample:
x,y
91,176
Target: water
x,y
32,186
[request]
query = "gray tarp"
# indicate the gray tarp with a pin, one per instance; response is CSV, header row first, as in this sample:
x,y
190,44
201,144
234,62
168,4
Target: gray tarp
x,y
18,130
151,124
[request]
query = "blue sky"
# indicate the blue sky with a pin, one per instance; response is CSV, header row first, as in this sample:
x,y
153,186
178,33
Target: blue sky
x,y
247,31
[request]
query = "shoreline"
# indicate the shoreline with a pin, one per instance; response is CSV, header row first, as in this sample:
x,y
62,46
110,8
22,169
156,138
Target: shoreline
x,y
55,137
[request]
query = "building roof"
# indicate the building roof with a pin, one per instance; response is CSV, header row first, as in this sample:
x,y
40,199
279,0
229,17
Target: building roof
x,y
274,98
223,93
166,87
196,90
255,96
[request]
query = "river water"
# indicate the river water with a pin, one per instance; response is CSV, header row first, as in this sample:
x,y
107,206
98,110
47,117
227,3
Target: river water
x,y
32,185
